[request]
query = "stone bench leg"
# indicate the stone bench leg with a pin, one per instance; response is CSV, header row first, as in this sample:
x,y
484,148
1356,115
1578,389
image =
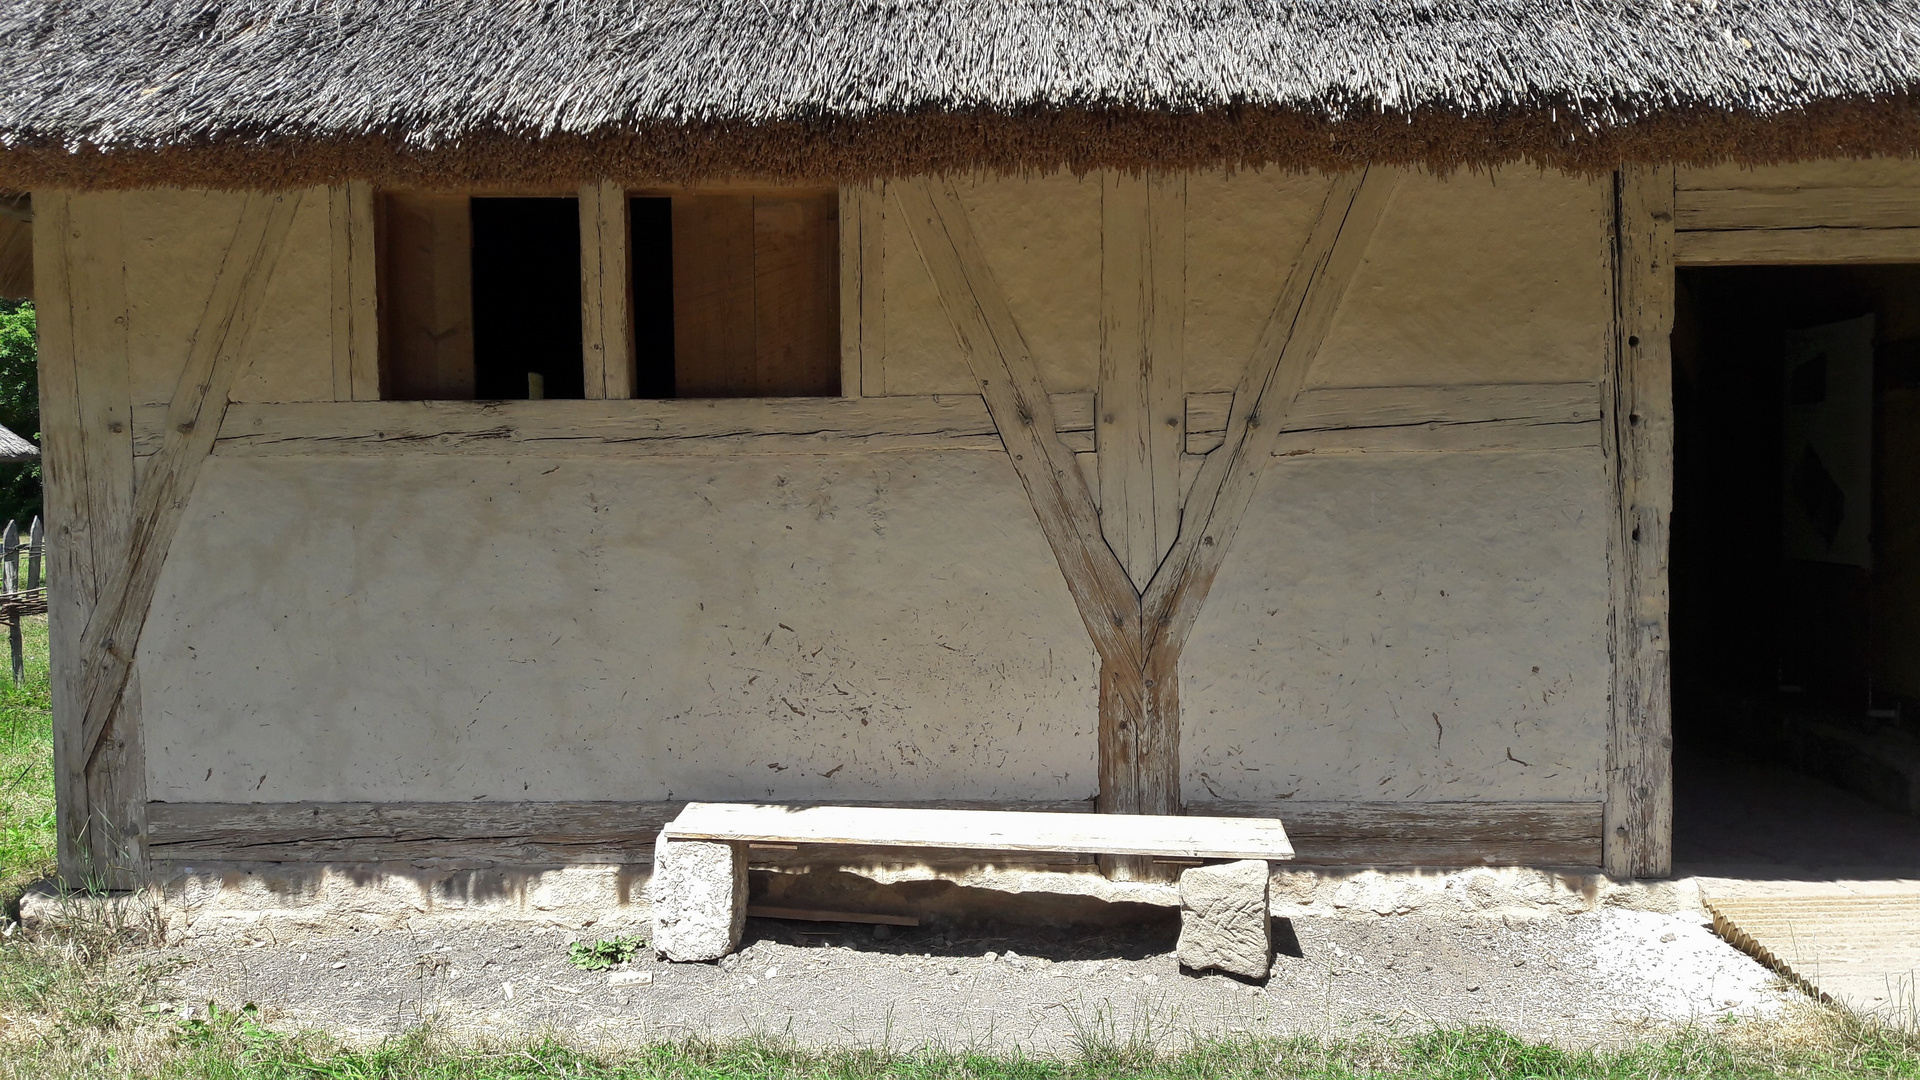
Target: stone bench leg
x,y
699,898
1224,922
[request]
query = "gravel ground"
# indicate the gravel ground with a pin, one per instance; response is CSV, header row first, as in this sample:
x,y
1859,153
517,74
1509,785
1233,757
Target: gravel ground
x,y
1600,978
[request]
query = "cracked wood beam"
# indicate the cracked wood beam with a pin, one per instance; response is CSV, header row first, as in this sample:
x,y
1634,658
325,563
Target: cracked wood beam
x,y
1637,440
215,362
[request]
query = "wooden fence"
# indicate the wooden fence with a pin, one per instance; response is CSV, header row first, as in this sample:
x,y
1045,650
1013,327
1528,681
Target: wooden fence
x,y
18,600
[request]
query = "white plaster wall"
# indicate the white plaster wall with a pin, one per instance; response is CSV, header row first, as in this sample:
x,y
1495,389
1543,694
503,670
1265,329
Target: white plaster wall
x,y
175,241
1406,626
1471,278
447,629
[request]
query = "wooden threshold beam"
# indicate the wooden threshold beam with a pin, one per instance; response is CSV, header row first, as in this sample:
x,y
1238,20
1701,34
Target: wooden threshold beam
x,y
1414,834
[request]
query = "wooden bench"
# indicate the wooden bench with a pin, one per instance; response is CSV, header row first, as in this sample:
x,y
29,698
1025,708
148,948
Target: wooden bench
x,y
699,890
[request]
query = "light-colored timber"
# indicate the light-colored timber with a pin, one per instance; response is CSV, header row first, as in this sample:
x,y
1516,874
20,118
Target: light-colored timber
x,y
994,830
1748,208
606,291
356,292
1638,443
1140,405
1818,246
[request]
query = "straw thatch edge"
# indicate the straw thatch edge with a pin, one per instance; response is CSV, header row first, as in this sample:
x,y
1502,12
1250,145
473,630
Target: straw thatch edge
x,y
936,142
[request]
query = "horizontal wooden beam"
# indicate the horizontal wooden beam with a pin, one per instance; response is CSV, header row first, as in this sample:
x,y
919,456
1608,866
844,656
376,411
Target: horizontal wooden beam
x,y
1473,417
1698,209
1429,834
1525,415
1809,246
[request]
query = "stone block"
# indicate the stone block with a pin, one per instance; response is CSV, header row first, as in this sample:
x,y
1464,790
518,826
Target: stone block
x,y
699,898
1223,919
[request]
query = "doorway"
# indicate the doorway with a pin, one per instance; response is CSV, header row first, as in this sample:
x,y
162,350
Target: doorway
x,y
1795,565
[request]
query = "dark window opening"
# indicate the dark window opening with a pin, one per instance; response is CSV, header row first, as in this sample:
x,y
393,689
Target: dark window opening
x,y
651,240
526,299
476,295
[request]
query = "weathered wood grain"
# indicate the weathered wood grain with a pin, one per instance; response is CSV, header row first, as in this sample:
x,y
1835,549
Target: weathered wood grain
x,y
1456,834
1262,404
214,363
1743,208
1009,382
1365,409
355,301
1415,417
1818,246
1238,837
863,315
1638,442
1141,413
89,475
606,291
63,465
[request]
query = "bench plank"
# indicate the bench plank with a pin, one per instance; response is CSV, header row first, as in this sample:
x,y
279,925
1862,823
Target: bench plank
x,y
1001,830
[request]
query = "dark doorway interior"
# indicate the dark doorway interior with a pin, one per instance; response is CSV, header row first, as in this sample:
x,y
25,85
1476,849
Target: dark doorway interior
x,y
1796,545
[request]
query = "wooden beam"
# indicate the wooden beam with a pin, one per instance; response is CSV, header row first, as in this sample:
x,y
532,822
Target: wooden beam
x,y
606,291
1140,406
356,324
1740,208
1522,416
863,316
985,830
1009,382
1638,442
1817,246
89,474
1262,404
1413,834
215,361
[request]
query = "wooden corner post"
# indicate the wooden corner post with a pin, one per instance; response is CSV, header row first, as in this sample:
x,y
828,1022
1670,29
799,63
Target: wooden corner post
x,y
1637,440
109,539
1139,574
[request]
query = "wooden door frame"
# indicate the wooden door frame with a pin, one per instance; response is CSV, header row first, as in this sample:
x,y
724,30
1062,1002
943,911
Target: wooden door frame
x,y
1665,219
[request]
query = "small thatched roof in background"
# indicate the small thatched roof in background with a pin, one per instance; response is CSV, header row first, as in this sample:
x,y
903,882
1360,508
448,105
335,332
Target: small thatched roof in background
x,y
15,448
271,92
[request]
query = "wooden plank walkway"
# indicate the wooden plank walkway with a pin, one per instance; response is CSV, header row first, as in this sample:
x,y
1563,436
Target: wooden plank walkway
x,y
1860,951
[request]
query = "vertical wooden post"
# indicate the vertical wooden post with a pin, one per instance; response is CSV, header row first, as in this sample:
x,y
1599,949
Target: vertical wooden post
x,y
1637,438
10,573
36,544
356,296
1140,409
87,460
863,319
606,291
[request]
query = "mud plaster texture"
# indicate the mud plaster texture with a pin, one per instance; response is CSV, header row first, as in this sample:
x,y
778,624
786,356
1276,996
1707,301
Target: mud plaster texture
x,y
1599,978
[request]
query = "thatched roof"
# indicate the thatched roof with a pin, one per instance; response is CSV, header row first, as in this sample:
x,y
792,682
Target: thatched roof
x,y
245,92
15,448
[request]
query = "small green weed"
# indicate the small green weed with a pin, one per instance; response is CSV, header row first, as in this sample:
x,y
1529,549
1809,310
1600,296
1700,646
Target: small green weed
x,y
604,954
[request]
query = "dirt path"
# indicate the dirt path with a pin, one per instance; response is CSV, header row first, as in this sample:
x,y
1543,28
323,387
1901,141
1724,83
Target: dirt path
x,y
1598,978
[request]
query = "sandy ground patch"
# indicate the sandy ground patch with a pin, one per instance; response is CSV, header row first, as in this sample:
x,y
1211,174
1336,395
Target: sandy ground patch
x,y
1599,978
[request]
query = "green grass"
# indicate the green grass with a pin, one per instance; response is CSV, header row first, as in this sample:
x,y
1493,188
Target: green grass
x,y
234,1044
26,770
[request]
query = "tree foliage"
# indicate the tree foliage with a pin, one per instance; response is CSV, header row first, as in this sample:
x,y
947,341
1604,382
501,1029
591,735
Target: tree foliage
x,y
19,409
